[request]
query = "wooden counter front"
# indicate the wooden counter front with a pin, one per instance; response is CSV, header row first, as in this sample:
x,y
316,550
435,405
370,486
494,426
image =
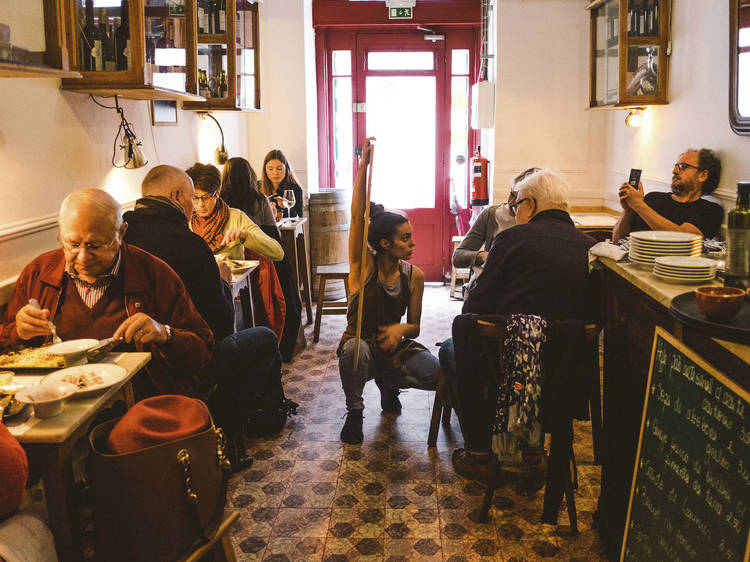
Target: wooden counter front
x,y
634,302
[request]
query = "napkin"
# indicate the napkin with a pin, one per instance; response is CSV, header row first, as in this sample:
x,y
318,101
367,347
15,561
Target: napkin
x,y
605,250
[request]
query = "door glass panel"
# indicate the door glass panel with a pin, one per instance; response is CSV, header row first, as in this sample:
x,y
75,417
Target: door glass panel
x,y
401,116
641,76
342,63
459,137
342,132
400,60
460,61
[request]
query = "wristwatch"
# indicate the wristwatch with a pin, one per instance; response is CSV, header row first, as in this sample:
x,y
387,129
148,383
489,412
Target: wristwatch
x,y
170,334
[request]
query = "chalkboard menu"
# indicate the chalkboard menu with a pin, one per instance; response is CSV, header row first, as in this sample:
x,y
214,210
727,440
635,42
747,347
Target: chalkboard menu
x,y
690,498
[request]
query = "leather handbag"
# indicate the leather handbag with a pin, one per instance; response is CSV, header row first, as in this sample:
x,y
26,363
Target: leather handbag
x,y
158,503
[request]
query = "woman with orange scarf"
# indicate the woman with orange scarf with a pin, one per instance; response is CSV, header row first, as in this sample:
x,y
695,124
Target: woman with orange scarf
x,y
227,231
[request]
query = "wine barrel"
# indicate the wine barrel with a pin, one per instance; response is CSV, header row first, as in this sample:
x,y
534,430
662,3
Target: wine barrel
x,y
329,236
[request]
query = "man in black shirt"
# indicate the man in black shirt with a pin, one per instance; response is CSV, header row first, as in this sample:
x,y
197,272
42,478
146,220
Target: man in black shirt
x,y
695,174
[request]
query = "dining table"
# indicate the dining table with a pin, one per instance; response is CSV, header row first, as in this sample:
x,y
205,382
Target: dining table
x,y
49,444
293,237
242,291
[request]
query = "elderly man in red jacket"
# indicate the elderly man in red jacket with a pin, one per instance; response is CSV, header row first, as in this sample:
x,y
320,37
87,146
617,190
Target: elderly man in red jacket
x,y
97,286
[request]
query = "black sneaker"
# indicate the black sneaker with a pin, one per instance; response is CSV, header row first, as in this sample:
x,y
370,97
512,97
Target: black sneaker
x,y
389,401
351,433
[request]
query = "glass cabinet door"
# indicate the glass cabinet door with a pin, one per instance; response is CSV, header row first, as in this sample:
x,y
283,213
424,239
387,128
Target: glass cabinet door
x,y
166,43
103,36
22,33
246,36
212,71
606,54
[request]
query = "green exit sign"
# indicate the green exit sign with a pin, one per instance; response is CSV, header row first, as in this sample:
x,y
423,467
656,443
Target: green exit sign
x,y
400,13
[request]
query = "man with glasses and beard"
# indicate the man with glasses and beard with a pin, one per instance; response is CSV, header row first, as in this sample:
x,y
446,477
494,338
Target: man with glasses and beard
x,y
695,174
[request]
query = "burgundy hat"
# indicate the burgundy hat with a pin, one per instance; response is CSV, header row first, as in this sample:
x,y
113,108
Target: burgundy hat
x,y
14,470
156,420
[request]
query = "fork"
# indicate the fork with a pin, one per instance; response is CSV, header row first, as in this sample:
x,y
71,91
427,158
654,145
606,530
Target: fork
x,y
55,337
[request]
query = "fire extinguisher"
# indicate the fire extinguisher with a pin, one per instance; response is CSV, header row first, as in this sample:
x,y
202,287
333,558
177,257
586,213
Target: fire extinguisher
x,y
479,178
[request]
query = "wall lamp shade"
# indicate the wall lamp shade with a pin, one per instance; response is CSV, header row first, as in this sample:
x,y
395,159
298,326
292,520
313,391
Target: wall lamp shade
x,y
133,157
220,154
634,117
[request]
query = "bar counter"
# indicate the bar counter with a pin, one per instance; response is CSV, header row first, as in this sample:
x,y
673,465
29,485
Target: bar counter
x,y
634,302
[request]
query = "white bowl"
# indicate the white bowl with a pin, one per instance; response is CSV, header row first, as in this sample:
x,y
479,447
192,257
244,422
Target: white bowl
x,y
47,399
73,351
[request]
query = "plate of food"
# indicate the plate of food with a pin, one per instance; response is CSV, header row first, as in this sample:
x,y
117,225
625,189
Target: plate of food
x,y
90,379
31,358
237,266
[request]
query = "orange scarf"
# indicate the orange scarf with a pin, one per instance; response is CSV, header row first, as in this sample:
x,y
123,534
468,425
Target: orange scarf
x,y
211,228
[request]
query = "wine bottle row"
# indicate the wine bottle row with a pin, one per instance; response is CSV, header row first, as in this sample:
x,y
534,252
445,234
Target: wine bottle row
x,y
643,18
215,87
212,16
105,41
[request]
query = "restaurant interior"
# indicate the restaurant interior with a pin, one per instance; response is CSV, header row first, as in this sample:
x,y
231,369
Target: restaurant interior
x,y
546,99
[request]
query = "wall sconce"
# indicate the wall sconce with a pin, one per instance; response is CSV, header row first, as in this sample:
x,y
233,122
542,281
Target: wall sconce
x,y
220,154
634,117
132,155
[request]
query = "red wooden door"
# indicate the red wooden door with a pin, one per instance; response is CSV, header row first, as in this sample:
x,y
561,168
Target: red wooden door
x,y
400,79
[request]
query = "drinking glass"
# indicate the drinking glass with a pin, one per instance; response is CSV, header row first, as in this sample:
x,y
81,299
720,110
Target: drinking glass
x,y
289,201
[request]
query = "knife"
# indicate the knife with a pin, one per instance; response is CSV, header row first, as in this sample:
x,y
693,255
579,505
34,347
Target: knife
x,y
101,349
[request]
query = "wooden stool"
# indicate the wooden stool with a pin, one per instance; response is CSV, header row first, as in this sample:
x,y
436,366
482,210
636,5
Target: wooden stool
x,y
441,408
219,547
336,271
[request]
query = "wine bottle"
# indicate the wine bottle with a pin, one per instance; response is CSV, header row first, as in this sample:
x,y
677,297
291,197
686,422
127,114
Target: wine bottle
x,y
222,16
737,269
88,39
202,17
215,13
122,38
211,9
223,85
107,49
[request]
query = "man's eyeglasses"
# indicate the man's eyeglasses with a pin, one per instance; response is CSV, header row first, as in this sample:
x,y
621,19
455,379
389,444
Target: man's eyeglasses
x,y
203,198
682,166
514,206
75,247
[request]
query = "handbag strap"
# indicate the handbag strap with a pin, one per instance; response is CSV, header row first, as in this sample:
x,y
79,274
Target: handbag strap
x,y
183,458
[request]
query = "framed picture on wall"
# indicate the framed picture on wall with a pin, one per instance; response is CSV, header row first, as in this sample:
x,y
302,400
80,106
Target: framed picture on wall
x,y
163,112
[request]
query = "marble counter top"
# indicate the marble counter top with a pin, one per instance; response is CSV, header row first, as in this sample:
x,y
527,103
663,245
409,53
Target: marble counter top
x,y
663,293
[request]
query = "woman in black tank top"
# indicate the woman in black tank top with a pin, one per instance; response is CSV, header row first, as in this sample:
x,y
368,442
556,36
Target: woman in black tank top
x,y
391,288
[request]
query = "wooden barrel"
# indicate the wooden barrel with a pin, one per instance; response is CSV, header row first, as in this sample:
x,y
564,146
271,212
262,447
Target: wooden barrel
x,y
329,236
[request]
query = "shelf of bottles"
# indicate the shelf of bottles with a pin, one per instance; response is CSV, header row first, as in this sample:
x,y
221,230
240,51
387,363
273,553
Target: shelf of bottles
x,y
628,57
227,78
140,47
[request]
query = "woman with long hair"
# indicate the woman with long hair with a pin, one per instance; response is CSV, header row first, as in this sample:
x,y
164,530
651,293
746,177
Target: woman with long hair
x,y
239,189
277,178
392,287
226,230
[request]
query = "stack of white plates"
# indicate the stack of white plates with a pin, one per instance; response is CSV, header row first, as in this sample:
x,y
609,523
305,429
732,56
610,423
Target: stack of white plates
x,y
680,269
647,245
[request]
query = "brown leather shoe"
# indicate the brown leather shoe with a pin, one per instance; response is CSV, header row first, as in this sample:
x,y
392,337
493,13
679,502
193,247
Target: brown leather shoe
x,y
533,476
469,467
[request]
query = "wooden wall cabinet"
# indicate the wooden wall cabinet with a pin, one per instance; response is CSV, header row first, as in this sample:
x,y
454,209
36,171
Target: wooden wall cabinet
x,y
141,49
32,40
630,50
227,56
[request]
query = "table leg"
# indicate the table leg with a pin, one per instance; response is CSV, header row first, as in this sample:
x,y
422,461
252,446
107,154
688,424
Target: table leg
x,y
247,308
305,272
57,476
288,237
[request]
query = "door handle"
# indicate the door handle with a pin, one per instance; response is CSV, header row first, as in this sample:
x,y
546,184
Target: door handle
x,y
358,151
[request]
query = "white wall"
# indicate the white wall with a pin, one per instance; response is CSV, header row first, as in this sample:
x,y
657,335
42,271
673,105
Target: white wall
x,y
697,114
282,123
52,142
542,90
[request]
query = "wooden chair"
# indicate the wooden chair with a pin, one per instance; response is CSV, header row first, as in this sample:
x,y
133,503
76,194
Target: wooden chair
x,y
441,409
326,272
219,547
461,274
495,332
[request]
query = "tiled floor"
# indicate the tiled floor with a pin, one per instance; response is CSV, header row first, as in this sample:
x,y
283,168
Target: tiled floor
x,y
310,497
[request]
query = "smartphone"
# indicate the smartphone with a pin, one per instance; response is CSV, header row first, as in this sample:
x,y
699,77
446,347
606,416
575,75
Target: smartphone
x,y
635,177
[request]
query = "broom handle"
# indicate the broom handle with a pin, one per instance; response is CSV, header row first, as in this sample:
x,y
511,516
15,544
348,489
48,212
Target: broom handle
x,y
363,262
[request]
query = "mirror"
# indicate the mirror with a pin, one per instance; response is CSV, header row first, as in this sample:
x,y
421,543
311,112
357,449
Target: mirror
x,y
739,66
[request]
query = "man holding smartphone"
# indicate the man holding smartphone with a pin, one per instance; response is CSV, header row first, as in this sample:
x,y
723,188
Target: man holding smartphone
x,y
696,173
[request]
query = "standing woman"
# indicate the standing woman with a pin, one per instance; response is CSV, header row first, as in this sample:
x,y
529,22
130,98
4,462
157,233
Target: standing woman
x,y
227,231
239,189
277,178
391,288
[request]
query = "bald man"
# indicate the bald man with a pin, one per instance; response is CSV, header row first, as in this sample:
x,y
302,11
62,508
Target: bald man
x,y
97,286
243,362
159,225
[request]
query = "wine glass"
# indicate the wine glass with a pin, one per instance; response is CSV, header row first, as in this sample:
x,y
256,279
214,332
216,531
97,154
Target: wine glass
x,y
288,201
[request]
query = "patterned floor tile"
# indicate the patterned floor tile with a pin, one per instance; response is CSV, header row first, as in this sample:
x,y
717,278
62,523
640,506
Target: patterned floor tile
x,y
307,549
356,549
412,522
301,522
422,548
360,521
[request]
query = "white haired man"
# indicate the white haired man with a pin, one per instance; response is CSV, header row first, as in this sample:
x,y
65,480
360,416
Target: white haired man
x,y
97,286
540,267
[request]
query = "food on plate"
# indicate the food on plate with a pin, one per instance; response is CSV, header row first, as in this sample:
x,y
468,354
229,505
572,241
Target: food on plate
x,y
84,380
32,357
